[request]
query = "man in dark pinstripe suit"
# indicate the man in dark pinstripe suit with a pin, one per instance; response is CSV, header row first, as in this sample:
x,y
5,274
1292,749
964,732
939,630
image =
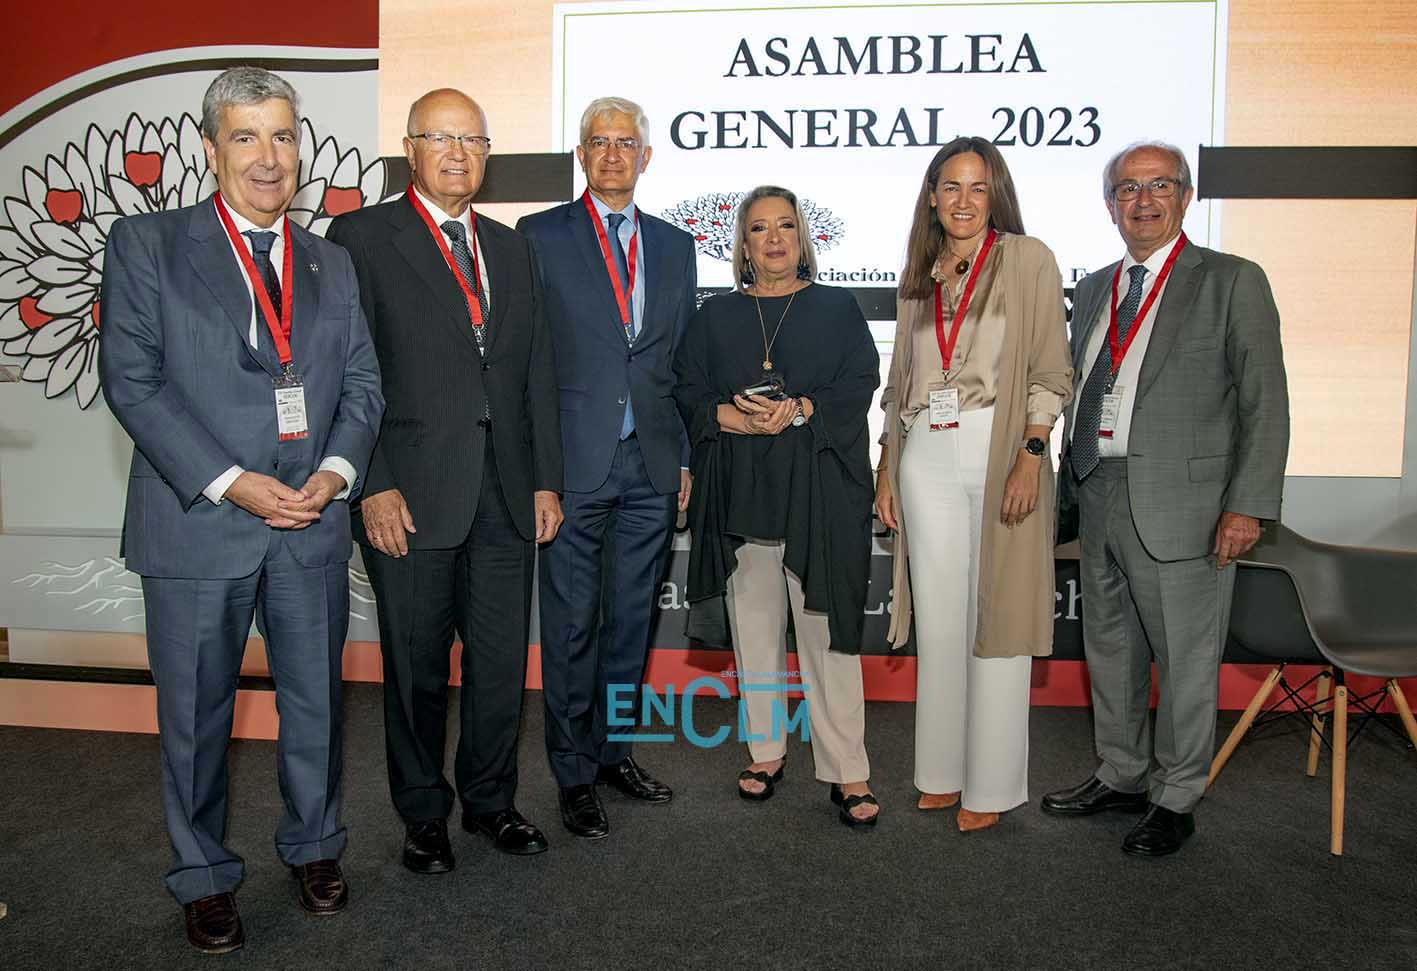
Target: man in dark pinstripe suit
x,y
464,478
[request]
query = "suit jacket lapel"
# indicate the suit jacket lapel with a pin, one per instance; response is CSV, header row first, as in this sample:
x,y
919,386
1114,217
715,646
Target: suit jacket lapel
x,y
215,264
652,255
415,244
1170,316
1090,315
499,281
602,294
306,306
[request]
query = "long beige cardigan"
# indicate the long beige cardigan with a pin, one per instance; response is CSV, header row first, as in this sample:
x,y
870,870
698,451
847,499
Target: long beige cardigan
x,y
1015,565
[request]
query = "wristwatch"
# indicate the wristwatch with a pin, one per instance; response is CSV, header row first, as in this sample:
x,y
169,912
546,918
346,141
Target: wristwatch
x,y
799,419
1035,446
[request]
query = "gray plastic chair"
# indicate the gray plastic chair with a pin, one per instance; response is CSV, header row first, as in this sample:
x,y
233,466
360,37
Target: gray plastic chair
x,y
1351,609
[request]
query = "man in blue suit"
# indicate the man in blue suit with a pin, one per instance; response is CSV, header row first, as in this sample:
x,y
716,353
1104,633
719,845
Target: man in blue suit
x,y
619,289
236,355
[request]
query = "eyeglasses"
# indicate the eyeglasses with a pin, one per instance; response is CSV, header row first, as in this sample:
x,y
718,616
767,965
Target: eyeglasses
x,y
1159,189
600,143
442,141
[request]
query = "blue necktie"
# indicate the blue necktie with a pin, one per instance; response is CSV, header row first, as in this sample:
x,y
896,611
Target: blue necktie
x,y
1085,453
622,266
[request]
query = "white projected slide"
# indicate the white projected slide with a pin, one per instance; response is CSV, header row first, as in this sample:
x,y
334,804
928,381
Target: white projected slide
x,y
846,103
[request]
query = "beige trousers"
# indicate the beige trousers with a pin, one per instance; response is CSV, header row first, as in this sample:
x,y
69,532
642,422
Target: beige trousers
x,y
835,699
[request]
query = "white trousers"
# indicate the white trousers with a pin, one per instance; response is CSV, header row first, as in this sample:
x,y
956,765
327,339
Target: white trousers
x,y
971,713
759,593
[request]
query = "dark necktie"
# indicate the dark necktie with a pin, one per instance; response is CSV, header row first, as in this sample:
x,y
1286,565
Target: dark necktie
x,y
462,256
1085,454
622,265
261,243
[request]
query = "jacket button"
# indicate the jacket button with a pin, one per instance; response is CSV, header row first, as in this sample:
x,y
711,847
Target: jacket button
x,y
622,400
486,366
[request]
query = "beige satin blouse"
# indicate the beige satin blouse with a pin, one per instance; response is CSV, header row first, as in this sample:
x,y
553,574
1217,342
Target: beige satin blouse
x,y
974,367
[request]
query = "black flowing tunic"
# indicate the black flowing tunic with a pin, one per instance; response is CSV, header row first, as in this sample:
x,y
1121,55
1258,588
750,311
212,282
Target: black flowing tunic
x,y
810,486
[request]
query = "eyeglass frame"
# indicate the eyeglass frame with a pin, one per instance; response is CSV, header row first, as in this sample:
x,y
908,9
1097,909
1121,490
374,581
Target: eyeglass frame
x,y
1150,185
474,144
625,144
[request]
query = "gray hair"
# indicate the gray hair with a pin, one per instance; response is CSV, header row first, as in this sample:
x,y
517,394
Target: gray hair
x,y
604,107
244,86
1109,171
806,254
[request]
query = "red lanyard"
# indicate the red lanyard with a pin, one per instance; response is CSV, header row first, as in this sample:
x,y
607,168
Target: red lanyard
x,y
1119,349
947,345
278,326
622,295
469,292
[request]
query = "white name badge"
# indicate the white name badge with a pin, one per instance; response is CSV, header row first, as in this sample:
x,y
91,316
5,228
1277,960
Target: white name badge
x,y
291,420
944,408
1111,411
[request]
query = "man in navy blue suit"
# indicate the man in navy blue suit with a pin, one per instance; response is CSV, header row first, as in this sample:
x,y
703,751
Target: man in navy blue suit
x,y
620,286
236,354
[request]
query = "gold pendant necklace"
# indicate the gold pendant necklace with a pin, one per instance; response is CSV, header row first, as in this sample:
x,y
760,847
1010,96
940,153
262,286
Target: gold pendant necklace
x,y
767,344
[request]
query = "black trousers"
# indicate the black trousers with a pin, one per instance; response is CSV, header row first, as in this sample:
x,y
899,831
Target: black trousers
x,y
482,590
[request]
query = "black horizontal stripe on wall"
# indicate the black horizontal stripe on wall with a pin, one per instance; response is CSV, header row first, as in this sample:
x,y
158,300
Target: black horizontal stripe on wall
x,y
535,177
1333,172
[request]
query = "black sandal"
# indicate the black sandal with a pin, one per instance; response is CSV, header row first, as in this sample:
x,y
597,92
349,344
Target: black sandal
x,y
767,780
845,804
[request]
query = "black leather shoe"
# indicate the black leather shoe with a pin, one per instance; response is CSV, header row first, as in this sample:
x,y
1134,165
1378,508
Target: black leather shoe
x,y
426,848
508,830
1093,796
634,781
322,887
213,925
582,813
1159,833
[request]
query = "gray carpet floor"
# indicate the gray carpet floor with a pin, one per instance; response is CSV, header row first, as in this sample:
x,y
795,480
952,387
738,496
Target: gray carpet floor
x,y
712,881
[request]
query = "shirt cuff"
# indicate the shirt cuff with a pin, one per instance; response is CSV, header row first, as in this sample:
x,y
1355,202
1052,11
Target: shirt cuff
x,y
1040,418
341,468
217,490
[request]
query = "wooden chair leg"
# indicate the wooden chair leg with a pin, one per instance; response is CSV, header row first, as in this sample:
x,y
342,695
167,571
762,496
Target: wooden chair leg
x,y
1243,725
1399,701
1316,736
1340,766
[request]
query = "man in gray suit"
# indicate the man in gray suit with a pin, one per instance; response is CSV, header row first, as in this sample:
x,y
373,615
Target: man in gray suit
x,y
236,355
1176,443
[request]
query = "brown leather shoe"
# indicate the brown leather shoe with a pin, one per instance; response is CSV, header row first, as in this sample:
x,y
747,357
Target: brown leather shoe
x,y
322,887
213,925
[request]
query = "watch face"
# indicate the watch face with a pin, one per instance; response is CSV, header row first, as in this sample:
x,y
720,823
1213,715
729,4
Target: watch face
x,y
1035,446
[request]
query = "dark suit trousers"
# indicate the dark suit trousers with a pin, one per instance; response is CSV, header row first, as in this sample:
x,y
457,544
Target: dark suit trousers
x,y
1136,609
482,590
599,581
197,632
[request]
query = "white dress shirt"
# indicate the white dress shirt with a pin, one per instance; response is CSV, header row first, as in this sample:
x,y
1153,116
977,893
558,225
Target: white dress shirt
x,y
1127,374
440,217
216,491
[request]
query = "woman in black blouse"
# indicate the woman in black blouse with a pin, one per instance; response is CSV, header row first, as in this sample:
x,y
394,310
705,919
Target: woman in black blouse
x,y
781,505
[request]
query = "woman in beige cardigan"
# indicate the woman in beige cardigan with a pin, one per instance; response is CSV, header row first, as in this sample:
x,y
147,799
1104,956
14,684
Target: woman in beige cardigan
x,y
979,374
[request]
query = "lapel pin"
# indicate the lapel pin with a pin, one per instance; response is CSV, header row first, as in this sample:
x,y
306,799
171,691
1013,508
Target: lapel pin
x,y
314,268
